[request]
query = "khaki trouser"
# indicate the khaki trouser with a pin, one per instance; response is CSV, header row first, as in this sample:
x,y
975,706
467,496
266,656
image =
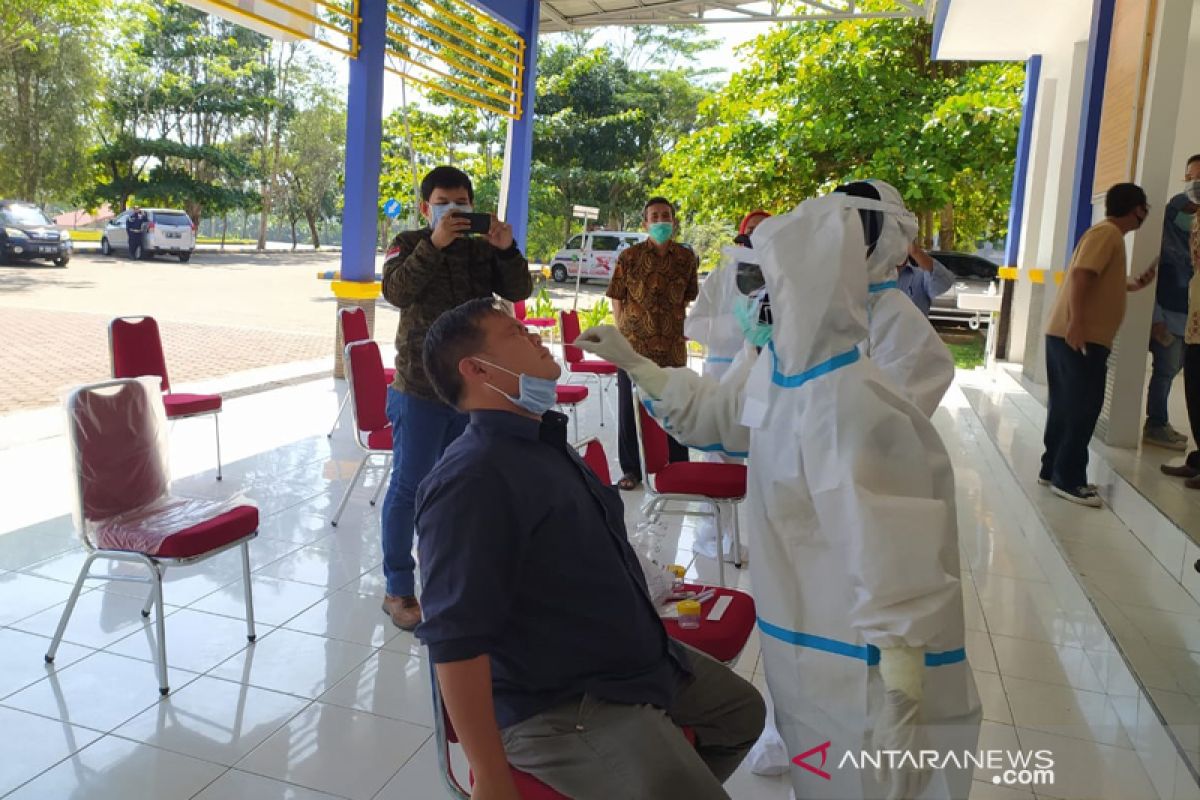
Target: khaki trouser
x,y
589,749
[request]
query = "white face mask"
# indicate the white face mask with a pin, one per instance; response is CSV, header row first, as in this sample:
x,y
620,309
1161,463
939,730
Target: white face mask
x,y
436,212
1193,192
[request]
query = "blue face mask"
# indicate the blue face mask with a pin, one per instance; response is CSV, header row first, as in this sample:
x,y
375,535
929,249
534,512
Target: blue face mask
x,y
1183,220
747,310
437,212
538,395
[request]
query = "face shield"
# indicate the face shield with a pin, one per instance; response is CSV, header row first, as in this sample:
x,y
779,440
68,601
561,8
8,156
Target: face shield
x,y
752,307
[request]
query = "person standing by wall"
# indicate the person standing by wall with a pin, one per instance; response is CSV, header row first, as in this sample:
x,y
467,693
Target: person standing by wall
x,y
425,273
1170,315
1079,337
1190,469
651,287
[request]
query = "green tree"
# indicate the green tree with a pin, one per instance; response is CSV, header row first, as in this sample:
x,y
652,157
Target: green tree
x,y
312,163
187,86
822,103
49,82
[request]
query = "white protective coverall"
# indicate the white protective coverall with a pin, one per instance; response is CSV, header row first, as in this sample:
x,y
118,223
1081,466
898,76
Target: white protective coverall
x,y
711,322
852,513
901,341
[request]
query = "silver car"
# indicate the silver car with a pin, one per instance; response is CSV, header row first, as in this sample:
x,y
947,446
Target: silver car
x,y
168,231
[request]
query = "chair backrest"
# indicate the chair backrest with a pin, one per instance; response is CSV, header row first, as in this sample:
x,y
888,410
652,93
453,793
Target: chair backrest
x,y
354,325
570,332
597,460
136,349
519,310
368,385
116,431
653,438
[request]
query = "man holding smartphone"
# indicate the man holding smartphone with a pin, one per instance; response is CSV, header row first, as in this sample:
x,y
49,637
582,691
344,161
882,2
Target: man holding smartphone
x,y
425,273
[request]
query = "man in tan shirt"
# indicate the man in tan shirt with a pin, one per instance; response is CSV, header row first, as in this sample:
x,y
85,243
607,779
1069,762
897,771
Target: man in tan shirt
x,y
652,285
1079,336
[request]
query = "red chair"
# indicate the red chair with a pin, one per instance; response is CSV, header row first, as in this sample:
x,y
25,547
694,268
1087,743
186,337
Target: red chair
x,y
135,349
532,322
570,397
716,485
125,511
593,368
353,322
367,391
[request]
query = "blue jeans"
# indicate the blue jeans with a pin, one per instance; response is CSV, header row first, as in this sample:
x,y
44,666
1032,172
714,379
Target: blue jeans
x,y
1076,383
1168,360
421,431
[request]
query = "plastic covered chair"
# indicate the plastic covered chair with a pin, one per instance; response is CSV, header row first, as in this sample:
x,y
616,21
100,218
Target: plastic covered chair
x,y
368,400
532,322
602,372
569,397
715,485
124,510
353,322
135,348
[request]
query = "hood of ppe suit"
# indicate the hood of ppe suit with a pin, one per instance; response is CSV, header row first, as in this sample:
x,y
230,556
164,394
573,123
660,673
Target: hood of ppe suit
x,y
899,230
813,262
711,320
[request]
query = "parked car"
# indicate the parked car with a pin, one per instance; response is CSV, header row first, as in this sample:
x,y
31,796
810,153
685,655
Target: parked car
x,y
168,230
592,255
26,234
972,275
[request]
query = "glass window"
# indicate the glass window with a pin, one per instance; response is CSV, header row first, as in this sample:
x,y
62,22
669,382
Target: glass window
x,y
605,243
25,215
575,243
172,218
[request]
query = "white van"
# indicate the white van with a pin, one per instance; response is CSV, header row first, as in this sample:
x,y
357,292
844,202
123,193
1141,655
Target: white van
x,y
593,255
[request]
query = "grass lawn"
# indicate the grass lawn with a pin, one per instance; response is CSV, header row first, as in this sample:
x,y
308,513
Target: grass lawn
x,y
967,351
91,235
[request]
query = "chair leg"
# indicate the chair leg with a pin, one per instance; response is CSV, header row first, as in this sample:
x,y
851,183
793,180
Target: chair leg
x,y
161,628
338,418
70,607
737,535
575,420
250,634
217,424
346,496
600,386
150,600
716,510
382,480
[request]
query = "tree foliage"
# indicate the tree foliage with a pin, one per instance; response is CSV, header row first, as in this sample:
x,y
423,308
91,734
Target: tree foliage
x,y
821,103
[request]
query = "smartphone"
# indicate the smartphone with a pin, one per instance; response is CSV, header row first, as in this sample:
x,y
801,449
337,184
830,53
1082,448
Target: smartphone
x,y
480,223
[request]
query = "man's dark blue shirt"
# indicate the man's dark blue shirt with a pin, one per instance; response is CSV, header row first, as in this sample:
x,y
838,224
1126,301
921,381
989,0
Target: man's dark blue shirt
x,y
524,557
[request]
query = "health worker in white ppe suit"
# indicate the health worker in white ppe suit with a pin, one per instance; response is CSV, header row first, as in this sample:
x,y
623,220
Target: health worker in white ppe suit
x,y
851,508
901,341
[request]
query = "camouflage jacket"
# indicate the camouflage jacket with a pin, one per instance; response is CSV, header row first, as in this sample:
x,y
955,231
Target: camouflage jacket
x,y
423,281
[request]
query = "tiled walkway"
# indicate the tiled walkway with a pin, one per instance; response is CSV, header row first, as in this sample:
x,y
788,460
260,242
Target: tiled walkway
x,y
333,702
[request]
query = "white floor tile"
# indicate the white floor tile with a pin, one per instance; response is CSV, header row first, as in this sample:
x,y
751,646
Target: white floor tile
x,y
1089,769
22,659
275,601
33,744
295,663
336,750
421,776
330,569
388,684
24,595
213,720
295,525
237,785
100,691
98,619
1048,663
195,641
350,617
993,698
118,769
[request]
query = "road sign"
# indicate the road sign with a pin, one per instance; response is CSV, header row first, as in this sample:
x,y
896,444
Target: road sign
x,y
392,208
587,212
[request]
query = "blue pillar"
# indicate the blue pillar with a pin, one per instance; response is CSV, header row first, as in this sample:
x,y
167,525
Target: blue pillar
x,y
364,132
1089,119
1016,206
520,140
